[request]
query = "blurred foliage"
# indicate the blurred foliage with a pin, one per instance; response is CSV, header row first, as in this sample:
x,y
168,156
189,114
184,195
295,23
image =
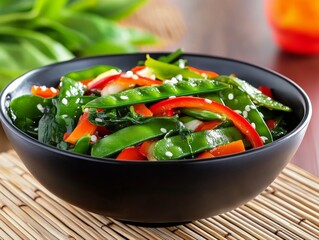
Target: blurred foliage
x,y
34,33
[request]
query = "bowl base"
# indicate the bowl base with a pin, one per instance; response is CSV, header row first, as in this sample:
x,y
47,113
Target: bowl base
x,y
154,225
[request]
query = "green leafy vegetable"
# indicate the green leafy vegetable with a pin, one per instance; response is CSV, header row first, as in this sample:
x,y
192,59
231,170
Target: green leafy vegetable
x,y
34,33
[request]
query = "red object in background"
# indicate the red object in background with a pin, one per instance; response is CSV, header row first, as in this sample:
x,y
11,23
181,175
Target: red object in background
x,y
295,24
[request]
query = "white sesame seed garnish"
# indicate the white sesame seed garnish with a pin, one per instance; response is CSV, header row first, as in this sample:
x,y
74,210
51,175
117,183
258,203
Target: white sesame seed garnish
x,y
67,93
124,97
86,110
252,107
263,138
179,77
93,138
245,114
253,125
247,108
43,88
172,97
208,100
204,75
98,120
135,77
163,130
129,74
64,101
230,96
168,154
77,100
53,89
40,107
238,111
64,116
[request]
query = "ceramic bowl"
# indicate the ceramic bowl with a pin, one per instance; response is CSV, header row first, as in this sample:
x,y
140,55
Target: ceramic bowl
x,y
162,192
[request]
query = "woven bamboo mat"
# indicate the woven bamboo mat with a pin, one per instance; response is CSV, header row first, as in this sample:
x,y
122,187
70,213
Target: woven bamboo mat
x,y
287,209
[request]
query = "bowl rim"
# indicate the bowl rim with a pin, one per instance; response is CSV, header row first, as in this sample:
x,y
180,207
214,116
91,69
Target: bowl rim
x,y
4,118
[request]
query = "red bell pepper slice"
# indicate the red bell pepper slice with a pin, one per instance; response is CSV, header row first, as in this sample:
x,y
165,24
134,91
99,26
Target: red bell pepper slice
x,y
98,85
195,102
138,80
130,153
266,91
200,71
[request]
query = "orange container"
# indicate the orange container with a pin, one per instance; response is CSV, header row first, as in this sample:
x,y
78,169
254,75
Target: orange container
x,y
295,24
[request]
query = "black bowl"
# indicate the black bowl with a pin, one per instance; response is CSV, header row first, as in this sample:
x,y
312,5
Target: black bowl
x,y
164,191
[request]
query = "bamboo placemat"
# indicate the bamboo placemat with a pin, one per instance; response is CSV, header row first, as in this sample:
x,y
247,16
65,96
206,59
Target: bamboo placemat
x,y
287,209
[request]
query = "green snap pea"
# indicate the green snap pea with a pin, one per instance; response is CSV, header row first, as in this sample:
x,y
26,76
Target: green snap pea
x,y
254,93
164,70
155,93
202,114
240,101
178,147
82,145
89,73
133,135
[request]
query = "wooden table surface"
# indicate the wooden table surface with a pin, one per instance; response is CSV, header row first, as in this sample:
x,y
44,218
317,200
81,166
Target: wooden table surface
x,y
238,29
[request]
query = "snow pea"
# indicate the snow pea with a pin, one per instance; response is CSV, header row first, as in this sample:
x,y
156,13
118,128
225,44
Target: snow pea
x,y
202,114
132,135
254,93
68,102
90,73
82,145
155,93
179,146
163,70
240,101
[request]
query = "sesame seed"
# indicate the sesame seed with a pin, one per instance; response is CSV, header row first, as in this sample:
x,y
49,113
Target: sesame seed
x,y
172,97
86,110
64,101
247,108
93,138
124,97
252,107
245,114
129,74
253,125
238,111
53,89
263,138
40,107
64,116
179,77
135,77
43,88
230,96
208,100
98,120
168,154
163,130
77,100
67,93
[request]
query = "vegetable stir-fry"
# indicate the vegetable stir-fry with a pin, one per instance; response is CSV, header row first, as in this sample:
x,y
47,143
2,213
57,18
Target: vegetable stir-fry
x,y
161,109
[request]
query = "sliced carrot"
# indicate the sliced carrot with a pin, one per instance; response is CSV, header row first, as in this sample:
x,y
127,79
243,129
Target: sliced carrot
x,y
45,92
139,80
142,110
200,71
130,153
83,127
230,148
208,125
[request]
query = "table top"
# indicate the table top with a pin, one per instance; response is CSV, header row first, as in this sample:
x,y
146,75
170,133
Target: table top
x,y
239,29
288,209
